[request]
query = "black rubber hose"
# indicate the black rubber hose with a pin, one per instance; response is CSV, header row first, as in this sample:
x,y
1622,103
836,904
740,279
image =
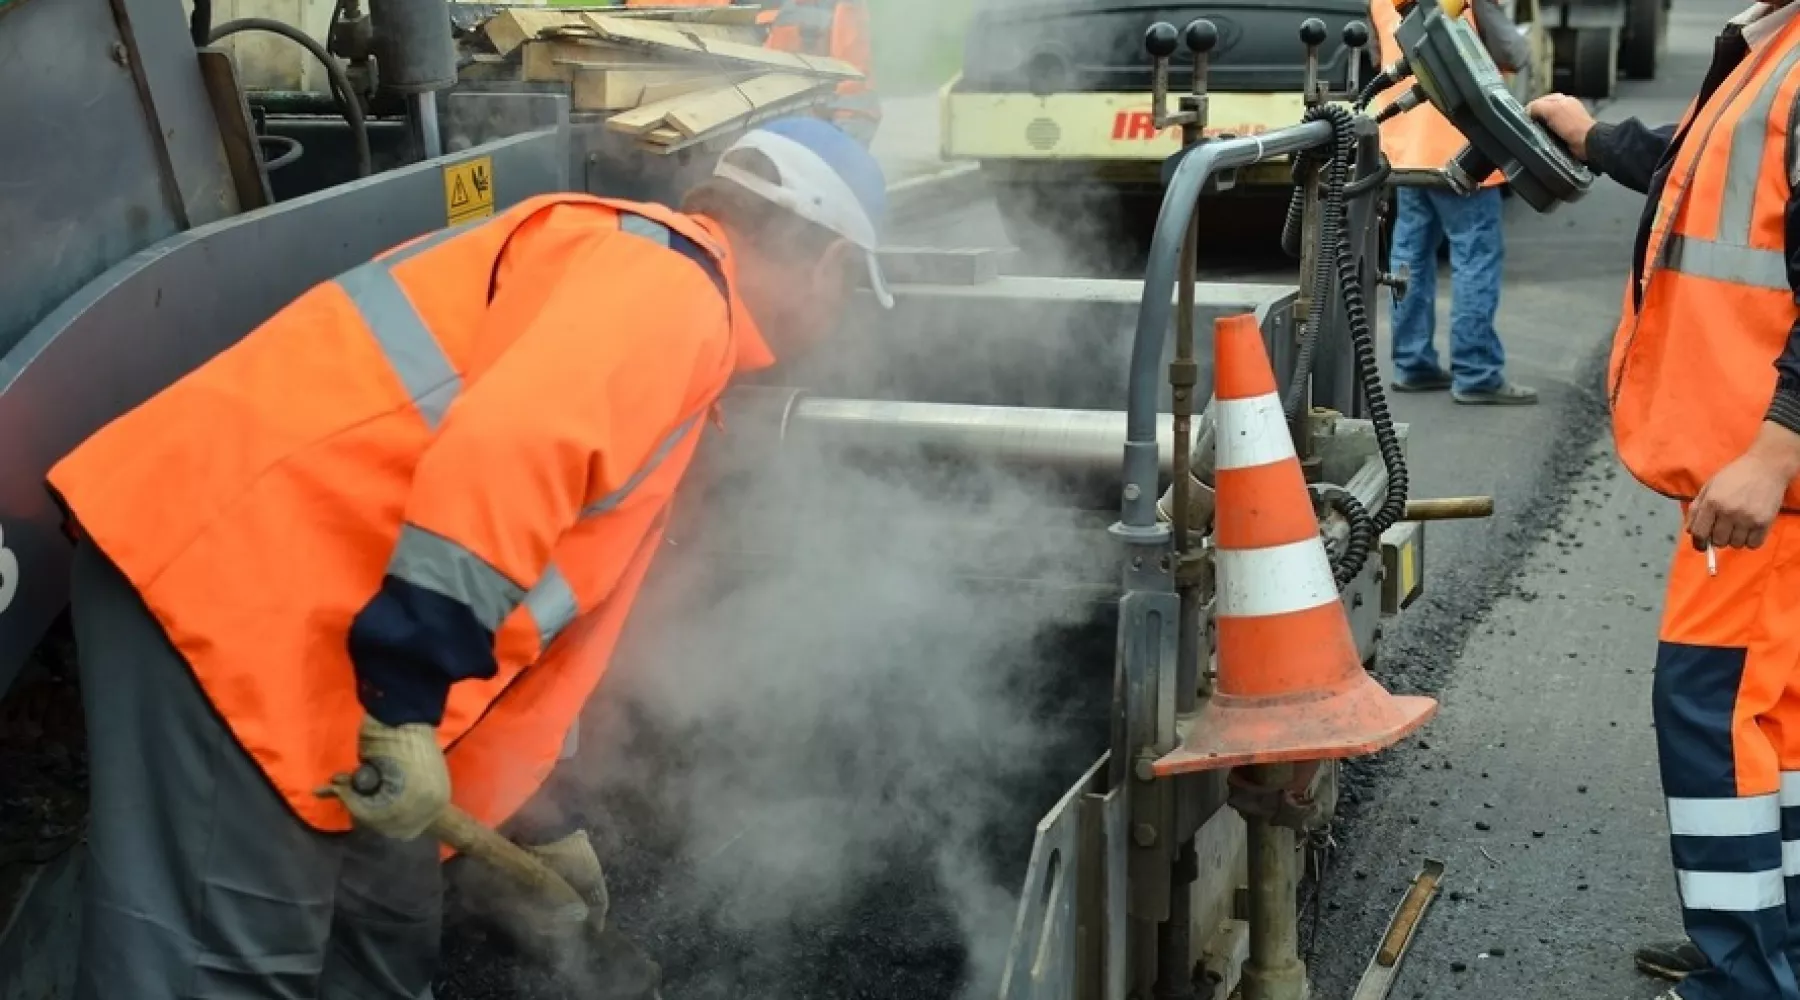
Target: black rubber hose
x,y
200,23
1337,255
1296,210
1371,90
1363,536
340,83
1331,240
291,151
1362,339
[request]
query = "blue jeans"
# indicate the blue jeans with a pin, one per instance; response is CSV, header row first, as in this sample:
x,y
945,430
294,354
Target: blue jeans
x,y
1423,218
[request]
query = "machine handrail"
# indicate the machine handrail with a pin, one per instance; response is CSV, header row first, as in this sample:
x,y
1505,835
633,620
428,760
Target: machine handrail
x,y
1138,510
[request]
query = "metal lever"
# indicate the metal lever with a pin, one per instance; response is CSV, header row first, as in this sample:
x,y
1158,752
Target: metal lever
x,y
1356,38
1200,37
1312,35
1396,281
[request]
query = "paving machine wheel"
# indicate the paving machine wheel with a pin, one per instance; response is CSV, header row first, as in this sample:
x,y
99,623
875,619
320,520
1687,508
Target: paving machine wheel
x,y
1645,38
1589,59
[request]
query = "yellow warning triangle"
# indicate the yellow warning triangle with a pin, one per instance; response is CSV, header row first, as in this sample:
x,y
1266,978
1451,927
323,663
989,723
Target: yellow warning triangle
x,y
459,194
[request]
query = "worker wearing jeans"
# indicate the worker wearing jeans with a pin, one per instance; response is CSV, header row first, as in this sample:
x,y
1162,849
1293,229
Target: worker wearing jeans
x,y
1423,219
1421,140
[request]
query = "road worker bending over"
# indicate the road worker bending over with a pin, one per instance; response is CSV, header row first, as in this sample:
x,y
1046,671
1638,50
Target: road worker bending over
x,y
402,523
1705,393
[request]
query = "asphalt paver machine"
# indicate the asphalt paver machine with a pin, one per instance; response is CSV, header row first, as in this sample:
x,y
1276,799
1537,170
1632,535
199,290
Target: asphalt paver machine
x,y
143,238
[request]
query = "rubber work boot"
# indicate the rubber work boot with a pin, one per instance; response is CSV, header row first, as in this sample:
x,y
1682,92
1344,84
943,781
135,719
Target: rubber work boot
x,y
1437,381
1508,394
1671,960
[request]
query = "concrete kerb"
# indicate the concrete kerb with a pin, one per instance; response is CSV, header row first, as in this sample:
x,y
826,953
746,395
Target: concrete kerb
x,y
935,193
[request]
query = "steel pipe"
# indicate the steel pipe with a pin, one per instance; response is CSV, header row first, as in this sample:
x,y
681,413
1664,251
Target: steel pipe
x,y
1449,509
1077,446
1196,168
424,119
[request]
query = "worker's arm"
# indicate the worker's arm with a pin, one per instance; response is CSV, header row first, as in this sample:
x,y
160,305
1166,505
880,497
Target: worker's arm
x,y
1500,36
564,418
1627,151
1784,409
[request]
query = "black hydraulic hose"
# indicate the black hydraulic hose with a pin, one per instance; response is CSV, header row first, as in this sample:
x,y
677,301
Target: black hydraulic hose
x,y
1384,169
291,151
1331,239
1362,336
1363,536
340,82
1335,255
200,24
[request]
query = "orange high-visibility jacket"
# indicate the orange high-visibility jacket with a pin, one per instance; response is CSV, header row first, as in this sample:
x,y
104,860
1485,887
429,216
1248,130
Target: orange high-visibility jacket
x,y
835,28
1693,359
496,415
1420,139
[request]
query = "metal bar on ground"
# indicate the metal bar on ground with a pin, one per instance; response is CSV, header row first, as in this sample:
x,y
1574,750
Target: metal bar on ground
x,y
1378,978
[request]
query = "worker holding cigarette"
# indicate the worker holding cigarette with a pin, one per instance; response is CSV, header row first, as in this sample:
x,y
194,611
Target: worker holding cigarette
x,y
397,529
1704,384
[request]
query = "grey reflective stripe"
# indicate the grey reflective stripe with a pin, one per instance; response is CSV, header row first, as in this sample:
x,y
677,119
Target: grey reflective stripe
x,y
552,605
1738,265
637,225
616,497
1749,143
430,380
437,564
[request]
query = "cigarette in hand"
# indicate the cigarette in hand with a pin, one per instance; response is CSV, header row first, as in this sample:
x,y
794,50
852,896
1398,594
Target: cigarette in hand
x,y
1712,560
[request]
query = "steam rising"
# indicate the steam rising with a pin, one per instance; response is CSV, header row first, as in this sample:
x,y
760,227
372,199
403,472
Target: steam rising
x,y
847,726
853,684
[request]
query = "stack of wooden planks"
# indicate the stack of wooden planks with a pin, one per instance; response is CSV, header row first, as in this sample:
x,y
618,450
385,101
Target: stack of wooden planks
x,y
670,78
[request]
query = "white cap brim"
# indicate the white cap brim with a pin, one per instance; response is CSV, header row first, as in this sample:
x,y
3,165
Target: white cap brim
x,y
811,189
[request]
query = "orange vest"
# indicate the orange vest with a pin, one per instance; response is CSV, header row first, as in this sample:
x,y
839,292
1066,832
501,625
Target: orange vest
x,y
1420,139
836,29
504,409
1693,360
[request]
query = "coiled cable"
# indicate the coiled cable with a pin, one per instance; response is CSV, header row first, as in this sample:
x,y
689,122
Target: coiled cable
x,y
1362,538
1335,257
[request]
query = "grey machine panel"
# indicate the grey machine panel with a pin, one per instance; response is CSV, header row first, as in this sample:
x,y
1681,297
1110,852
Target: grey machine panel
x,y
159,314
110,145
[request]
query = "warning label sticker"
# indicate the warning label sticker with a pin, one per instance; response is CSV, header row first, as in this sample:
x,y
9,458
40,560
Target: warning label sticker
x,y
469,190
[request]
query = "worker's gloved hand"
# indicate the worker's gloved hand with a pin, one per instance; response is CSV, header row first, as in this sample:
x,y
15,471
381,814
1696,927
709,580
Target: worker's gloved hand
x,y
415,783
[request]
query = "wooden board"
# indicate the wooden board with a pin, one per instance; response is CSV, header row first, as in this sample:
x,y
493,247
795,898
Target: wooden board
x,y
512,28
509,29
718,136
734,16
559,61
619,89
668,37
714,109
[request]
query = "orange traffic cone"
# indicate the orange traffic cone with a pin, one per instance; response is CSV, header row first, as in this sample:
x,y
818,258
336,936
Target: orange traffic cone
x,y
1291,686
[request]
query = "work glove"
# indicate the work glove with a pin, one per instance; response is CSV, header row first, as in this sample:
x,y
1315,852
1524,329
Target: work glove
x,y
415,783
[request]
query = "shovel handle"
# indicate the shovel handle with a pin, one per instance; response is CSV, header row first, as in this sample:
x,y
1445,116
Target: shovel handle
x,y
469,837
462,832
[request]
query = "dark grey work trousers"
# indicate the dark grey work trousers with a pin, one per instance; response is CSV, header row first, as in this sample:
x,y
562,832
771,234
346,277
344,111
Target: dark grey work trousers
x,y
202,884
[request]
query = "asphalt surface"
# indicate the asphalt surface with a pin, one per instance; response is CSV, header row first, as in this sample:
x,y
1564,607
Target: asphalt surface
x,y
1536,784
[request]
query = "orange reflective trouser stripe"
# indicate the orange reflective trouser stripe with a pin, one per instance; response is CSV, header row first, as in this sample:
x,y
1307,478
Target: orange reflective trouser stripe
x,y
1726,701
